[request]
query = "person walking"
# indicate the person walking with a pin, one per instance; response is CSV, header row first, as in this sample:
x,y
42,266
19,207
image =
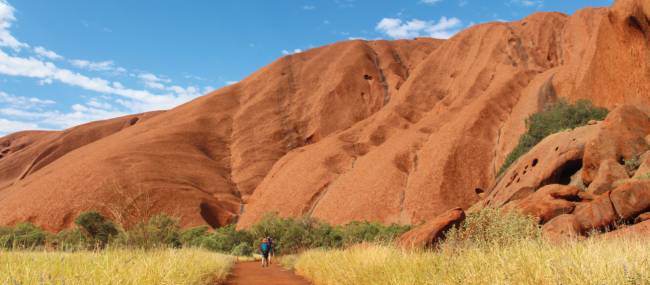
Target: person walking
x,y
265,249
271,249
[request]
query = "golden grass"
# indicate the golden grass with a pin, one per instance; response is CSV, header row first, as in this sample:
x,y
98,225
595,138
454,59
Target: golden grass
x,y
527,262
186,267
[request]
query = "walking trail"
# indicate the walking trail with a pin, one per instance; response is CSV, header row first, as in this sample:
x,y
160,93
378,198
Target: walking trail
x,y
252,273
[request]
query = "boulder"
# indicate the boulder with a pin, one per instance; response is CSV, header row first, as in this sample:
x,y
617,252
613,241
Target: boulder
x,y
621,136
548,202
631,199
609,172
561,228
596,215
428,234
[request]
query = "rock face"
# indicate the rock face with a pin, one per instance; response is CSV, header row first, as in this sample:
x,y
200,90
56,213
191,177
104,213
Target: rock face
x,y
389,131
596,156
428,234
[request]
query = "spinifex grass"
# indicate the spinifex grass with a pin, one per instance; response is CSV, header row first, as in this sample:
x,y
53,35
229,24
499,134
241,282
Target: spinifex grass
x,y
186,266
526,262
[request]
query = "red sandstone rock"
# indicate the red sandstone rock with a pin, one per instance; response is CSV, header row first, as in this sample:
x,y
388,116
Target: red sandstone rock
x,y
609,172
596,215
428,234
548,202
389,131
561,228
631,199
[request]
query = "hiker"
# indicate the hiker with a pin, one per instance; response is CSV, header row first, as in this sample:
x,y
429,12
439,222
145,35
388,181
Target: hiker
x,y
271,249
265,249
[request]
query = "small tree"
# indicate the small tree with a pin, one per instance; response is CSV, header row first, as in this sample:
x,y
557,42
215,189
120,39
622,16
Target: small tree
x,y
97,228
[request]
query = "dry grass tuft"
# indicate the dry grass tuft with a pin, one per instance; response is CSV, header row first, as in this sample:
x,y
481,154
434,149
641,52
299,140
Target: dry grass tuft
x,y
183,267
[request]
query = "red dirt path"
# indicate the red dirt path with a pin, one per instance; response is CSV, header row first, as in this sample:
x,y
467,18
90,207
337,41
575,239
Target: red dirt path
x,y
251,273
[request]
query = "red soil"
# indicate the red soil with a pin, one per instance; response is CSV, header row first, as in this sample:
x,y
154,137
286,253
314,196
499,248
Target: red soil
x,y
252,273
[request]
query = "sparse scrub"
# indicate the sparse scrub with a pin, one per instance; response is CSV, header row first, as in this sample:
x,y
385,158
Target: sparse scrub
x,y
159,232
632,164
555,118
594,261
22,236
97,228
490,227
186,266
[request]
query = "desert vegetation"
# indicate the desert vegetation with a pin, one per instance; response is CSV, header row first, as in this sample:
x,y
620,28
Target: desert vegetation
x,y
158,251
186,266
555,117
490,247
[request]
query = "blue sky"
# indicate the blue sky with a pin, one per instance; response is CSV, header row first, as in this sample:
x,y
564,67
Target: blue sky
x,y
67,62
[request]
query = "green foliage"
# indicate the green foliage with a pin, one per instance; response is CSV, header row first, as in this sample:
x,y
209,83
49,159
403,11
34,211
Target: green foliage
x,y
290,235
632,164
97,228
159,232
493,227
22,236
242,249
555,118
70,240
225,239
194,237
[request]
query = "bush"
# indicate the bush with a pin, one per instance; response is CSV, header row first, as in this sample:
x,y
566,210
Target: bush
x,y
555,118
492,227
225,239
159,232
98,229
194,237
242,249
22,236
70,240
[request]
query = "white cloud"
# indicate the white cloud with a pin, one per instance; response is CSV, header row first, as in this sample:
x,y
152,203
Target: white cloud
x,y
43,52
430,2
6,19
529,3
10,126
398,29
107,65
308,7
231,82
22,102
288,52
19,113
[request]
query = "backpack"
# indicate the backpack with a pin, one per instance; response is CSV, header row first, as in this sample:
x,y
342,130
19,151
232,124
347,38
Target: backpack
x,y
265,247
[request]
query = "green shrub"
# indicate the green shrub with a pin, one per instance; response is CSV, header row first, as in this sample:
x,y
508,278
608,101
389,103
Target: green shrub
x,y
159,231
555,118
225,239
242,249
292,235
357,232
493,227
98,229
23,236
194,237
70,240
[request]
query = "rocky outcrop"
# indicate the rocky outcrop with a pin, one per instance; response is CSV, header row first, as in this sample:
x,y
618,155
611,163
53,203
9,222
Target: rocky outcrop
x,y
428,234
599,153
388,131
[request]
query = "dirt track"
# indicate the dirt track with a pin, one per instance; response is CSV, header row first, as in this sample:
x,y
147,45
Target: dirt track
x,y
252,273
